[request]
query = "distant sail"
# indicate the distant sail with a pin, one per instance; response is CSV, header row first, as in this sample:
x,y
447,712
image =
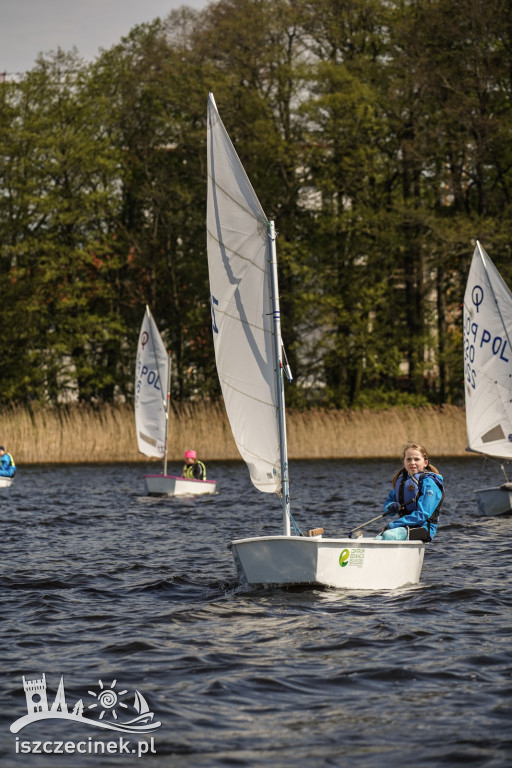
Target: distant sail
x,y
151,372
488,358
238,264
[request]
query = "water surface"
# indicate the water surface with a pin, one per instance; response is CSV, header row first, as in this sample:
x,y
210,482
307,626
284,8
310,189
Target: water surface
x,y
100,583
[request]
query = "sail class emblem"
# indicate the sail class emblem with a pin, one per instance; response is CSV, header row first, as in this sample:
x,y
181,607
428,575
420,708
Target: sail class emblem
x,y
477,296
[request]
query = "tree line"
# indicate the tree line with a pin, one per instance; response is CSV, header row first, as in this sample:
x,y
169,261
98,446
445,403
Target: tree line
x,y
378,135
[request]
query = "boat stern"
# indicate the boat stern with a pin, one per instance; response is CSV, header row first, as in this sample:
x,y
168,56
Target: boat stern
x,y
168,485
340,563
494,501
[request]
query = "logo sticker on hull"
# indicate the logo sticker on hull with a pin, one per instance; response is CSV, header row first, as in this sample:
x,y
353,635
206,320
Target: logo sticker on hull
x,y
344,556
353,557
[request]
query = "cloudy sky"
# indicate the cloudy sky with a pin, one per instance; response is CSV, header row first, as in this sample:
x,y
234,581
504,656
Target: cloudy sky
x,y
30,27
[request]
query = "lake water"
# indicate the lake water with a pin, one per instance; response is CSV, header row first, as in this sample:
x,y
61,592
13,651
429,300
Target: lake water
x,y
117,593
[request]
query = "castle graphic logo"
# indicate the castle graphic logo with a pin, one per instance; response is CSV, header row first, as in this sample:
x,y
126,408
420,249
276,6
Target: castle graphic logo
x,y
106,709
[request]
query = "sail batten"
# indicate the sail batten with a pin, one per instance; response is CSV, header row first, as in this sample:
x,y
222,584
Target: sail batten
x,y
488,358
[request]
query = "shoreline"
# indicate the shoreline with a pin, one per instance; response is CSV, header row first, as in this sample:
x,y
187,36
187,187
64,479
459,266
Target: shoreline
x,y
77,435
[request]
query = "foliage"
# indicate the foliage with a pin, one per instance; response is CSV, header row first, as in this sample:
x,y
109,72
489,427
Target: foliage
x,y
376,134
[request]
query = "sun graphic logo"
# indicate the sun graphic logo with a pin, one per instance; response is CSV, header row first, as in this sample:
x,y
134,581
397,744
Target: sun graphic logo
x,y
108,699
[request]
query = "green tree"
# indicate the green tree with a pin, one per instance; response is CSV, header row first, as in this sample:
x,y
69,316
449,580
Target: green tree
x,y
158,106
59,212
377,135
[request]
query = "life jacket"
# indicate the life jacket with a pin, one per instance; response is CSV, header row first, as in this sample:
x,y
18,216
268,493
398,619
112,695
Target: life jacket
x,y
188,470
10,467
408,489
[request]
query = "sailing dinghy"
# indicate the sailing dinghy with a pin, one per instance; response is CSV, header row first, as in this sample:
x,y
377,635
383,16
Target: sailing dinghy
x,y
487,321
152,399
250,363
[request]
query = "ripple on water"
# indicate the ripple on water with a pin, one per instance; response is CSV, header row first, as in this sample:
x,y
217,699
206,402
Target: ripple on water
x,y
101,583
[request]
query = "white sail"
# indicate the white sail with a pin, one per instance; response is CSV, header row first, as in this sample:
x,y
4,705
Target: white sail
x,y
241,301
151,377
488,358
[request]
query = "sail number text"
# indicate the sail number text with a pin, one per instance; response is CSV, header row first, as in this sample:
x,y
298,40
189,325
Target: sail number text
x,y
149,376
476,337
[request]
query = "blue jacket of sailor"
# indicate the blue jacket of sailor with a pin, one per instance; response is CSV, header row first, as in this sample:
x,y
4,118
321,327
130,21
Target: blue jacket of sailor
x,y
7,465
421,495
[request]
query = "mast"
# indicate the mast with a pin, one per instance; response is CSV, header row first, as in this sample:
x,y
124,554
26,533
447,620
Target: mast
x,y
278,370
166,409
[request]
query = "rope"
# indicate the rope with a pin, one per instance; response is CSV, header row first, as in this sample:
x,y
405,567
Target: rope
x,y
295,527
502,463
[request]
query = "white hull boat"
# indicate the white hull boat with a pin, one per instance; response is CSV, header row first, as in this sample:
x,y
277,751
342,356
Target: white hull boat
x,y
168,485
340,563
6,482
152,400
495,500
488,374
250,358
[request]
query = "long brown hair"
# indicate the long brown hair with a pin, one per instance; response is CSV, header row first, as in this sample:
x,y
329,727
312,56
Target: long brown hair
x,y
417,447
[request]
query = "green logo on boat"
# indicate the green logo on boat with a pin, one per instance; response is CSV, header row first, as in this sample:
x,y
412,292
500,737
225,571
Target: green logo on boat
x,y
344,556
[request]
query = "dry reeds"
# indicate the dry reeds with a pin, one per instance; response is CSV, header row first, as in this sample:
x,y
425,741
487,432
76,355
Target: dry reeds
x,y
69,435
80,435
376,434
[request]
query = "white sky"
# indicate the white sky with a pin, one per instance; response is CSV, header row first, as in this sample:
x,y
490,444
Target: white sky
x,y
31,27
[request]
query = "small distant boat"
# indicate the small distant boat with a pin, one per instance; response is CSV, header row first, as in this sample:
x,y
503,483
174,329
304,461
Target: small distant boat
x,y
250,359
6,482
152,400
487,320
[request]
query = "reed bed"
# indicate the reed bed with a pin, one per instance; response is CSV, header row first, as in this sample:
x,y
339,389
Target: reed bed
x,y
376,434
86,435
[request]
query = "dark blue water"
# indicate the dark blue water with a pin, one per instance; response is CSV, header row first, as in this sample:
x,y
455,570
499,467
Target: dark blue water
x,y
100,583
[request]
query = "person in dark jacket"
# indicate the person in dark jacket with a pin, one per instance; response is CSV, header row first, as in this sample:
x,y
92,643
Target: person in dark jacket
x,y
417,496
193,468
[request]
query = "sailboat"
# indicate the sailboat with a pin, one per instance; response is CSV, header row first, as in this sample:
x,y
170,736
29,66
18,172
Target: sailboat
x,y
152,399
251,364
487,318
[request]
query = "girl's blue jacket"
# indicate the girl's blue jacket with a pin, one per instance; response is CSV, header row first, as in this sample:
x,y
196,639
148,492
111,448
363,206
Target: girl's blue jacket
x,y
430,496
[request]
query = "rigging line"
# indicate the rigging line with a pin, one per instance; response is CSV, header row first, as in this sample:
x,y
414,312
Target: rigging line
x,y
286,366
293,522
292,519
295,526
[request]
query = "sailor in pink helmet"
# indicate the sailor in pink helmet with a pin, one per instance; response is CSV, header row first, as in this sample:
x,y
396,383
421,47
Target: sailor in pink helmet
x,y
193,468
